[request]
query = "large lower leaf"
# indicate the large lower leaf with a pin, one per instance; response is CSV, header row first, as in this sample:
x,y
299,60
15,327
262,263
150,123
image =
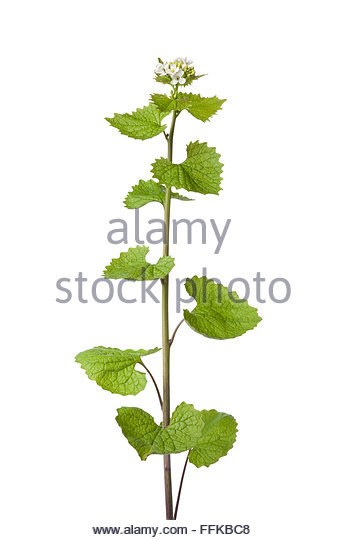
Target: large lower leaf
x,y
202,108
217,438
141,124
114,369
200,172
132,265
209,435
149,191
219,313
147,437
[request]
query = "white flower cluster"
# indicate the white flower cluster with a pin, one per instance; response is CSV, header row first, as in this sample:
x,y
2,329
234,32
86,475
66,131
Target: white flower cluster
x,y
177,70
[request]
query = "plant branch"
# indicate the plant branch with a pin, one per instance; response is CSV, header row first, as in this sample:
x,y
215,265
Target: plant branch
x,y
181,485
155,384
175,331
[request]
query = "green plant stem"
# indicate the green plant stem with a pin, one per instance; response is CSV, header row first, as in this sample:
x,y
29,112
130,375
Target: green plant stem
x,y
181,485
155,384
165,335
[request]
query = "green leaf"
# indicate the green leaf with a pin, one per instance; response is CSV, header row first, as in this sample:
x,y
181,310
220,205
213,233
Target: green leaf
x,y
209,435
114,369
147,437
132,265
167,104
141,124
149,191
200,172
201,108
166,79
217,438
192,78
219,314
163,102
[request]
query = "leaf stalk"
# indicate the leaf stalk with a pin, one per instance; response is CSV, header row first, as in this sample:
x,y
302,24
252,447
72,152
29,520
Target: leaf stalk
x,y
155,384
181,485
175,331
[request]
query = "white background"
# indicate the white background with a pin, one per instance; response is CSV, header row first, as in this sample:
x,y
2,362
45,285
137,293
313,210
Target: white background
x,y
282,135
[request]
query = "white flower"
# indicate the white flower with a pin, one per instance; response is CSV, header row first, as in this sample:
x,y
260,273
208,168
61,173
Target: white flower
x,y
172,69
185,61
175,70
159,69
177,78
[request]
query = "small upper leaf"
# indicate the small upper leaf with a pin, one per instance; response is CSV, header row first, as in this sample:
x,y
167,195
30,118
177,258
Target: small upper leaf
x,y
166,79
217,438
141,124
147,437
148,191
190,80
114,369
167,103
219,314
202,108
200,172
132,265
